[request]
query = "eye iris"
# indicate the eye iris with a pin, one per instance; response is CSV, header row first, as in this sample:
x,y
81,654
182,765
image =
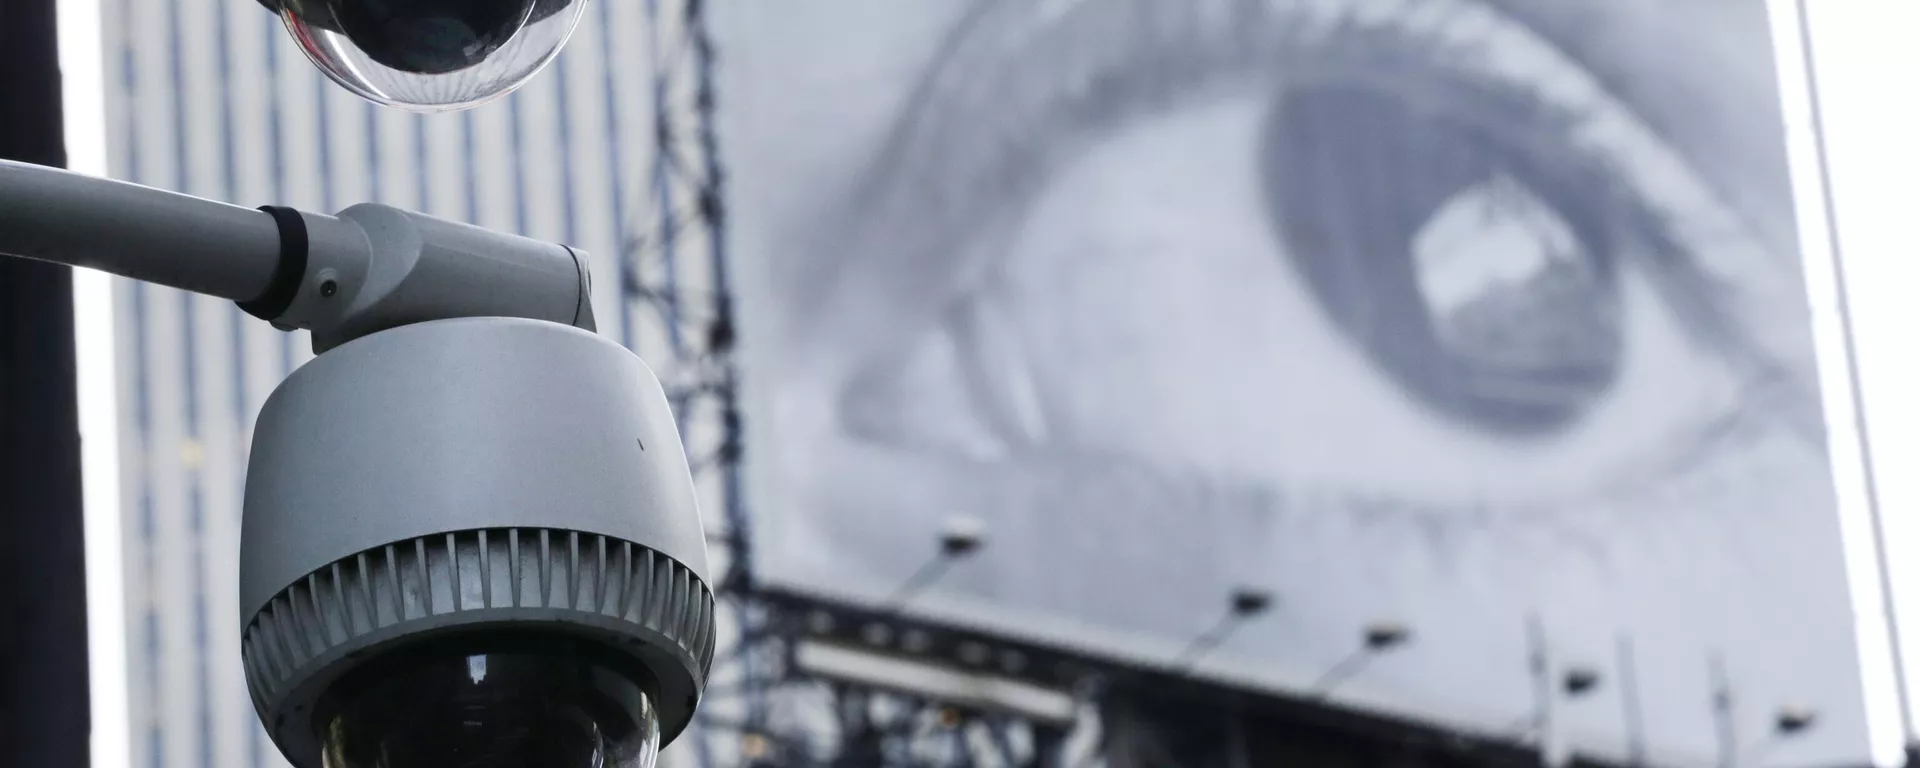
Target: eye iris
x,y
1437,246
430,37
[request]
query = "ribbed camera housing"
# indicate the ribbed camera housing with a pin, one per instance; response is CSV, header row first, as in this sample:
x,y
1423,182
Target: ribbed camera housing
x,y
464,483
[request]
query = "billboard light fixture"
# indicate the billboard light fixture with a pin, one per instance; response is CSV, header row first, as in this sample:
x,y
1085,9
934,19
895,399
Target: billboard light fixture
x,y
1579,681
1377,638
1386,635
1793,720
962,536
1243,603
1251,601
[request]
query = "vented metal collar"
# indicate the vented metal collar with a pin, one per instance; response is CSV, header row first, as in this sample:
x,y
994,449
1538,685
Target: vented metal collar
x,y
575,586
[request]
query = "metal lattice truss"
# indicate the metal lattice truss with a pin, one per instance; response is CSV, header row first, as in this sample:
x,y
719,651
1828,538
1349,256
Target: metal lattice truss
x,y
762,708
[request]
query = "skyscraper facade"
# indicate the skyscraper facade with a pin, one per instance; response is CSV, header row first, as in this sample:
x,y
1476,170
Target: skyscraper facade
x,y
212,98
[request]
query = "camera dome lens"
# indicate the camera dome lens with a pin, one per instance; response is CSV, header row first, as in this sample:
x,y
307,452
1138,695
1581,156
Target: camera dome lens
x,y
430,37
488,710
431,55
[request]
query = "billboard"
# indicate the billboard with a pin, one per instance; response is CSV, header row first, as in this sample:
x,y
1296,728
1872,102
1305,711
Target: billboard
x,y
1484,319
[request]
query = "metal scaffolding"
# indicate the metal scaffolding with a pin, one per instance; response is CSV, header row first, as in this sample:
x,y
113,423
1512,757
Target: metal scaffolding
x,y
761,709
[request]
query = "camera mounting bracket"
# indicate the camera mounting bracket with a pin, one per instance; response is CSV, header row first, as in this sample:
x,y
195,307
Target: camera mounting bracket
x,y
369,268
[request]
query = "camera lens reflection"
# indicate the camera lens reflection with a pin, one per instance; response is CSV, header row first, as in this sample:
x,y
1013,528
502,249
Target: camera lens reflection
x,y
431,37
490,710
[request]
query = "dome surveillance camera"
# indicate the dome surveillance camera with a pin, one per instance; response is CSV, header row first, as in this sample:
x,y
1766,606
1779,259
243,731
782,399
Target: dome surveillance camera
x,y
430,55
470,536
472,542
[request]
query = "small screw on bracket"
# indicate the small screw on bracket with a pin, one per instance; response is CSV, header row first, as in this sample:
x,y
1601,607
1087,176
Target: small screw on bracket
x,y
329,283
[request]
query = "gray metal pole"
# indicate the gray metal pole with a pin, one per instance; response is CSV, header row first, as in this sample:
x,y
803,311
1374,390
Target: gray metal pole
x,y
370,268
139,232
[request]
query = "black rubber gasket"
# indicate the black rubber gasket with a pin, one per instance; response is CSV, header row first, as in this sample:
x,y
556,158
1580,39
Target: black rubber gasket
x,y
289,273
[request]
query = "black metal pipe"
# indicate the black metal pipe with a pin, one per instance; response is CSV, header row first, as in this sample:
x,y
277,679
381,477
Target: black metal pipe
x,y
43,639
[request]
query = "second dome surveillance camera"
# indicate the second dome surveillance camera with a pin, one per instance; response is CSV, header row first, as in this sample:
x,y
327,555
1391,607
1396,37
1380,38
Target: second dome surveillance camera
x,y
430,55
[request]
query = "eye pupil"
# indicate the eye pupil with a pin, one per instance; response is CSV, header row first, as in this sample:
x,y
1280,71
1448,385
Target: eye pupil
x,y
1471,271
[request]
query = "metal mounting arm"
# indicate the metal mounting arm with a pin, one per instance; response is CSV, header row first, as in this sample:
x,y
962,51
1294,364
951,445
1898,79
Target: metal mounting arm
x,y
369,268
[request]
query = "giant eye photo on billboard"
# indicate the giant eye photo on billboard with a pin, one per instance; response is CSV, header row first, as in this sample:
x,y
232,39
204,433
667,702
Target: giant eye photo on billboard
x,y
1466,316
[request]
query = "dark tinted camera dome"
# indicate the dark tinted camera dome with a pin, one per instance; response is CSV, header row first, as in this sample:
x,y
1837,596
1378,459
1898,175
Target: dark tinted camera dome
x,y
430,37
430,55
451,708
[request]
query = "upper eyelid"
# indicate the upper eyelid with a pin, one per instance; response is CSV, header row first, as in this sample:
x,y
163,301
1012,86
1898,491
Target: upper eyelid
x,y
985,118
1023,63
997,93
